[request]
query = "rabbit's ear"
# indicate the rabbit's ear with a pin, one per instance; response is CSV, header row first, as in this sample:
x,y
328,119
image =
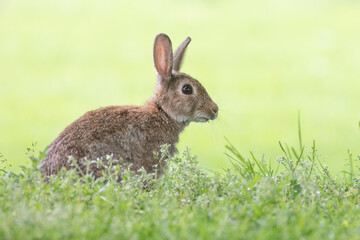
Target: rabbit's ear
x,y
179,54
163,56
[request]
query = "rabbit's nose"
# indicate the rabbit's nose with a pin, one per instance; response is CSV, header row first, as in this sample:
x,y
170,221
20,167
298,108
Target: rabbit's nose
x,y
215,110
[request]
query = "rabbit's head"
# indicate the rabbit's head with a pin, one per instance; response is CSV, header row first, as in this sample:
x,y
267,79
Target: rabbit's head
x,y
182,97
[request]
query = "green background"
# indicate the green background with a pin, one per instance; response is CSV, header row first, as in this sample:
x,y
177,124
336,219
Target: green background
x,y
261,61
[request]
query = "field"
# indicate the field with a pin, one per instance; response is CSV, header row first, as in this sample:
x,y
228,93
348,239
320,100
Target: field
x,y
263,62
256,201
276,68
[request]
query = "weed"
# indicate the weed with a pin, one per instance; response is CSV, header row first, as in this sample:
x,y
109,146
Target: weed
x,y
294,198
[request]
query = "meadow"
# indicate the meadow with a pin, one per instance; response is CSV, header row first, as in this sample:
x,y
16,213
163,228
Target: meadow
x,y
263,62
280,162
299,200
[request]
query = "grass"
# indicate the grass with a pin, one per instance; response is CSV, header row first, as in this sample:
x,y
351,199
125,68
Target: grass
x,y
294,197
261,61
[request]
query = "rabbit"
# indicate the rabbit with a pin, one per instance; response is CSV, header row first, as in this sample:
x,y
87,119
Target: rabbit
x,y
134,133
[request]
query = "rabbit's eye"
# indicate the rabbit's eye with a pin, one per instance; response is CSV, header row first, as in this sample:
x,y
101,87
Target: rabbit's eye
x,y
187,89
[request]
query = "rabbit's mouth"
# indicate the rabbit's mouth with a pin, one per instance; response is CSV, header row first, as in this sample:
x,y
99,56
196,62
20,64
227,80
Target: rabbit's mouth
x,y
202,119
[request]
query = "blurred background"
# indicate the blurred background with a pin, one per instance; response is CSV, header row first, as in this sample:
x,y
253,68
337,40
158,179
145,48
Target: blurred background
x,y
261,61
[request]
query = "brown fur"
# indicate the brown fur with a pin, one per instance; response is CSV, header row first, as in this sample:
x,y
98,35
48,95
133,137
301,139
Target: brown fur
x,y
134,133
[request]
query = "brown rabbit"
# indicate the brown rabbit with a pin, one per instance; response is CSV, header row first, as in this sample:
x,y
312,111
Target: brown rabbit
x,y
134,133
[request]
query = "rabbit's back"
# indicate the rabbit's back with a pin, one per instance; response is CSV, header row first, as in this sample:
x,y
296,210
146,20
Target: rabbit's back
x,y
129,133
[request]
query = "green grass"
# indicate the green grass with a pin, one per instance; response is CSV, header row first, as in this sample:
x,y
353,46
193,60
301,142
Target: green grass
x,y
291,198
261,61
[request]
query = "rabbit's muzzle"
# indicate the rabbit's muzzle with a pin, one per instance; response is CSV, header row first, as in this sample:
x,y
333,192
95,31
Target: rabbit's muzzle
x,y
207,113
